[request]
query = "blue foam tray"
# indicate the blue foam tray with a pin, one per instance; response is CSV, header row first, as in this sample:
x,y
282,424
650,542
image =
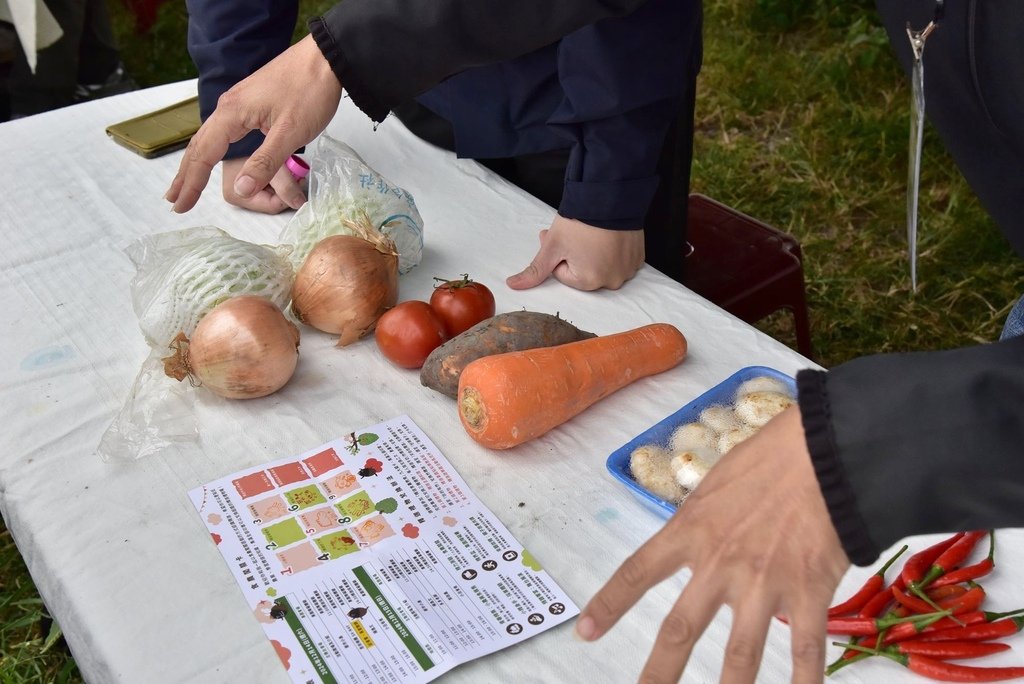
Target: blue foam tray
x,y
660,433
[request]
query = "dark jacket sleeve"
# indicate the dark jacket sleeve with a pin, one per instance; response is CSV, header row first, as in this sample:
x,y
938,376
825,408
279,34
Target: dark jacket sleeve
x,y
386,52
915,443
230,40
623,80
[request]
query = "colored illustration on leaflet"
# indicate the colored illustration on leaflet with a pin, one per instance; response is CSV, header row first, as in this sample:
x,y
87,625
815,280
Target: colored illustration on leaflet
x,y
531,562
252,484
323,462
283,533
354,442
288,473
355,506
299,558
373,530
372,467
319,520
388,505
304,497
268,509
336,545
341,484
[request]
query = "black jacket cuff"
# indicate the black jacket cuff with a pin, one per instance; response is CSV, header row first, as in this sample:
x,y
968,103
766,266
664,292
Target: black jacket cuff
x,y
362,96
835,486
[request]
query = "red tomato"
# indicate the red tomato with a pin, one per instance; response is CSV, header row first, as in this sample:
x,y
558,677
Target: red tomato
x,y
408,332
461,304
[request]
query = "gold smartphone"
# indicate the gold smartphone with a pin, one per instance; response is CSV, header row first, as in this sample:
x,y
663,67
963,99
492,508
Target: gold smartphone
x,y
159,132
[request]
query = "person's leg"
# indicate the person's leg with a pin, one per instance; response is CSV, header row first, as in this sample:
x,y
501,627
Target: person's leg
x,y
53,83
1014,326
98,54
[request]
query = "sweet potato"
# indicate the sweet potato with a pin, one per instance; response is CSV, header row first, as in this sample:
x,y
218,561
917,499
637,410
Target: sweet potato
x,y
514,331
507,399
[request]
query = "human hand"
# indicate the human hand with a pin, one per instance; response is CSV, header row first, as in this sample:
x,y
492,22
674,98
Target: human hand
x,y
291,100
758,538
583,256
283,192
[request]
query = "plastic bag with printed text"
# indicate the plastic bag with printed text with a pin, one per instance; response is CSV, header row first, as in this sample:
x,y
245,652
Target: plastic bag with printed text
x,y
344,190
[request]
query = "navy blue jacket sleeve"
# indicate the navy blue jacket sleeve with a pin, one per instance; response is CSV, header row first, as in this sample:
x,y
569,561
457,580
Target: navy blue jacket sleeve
x,y
907,444
385,52
623,80
230,39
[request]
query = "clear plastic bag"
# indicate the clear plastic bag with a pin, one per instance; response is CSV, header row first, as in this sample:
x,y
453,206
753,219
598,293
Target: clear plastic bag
x,y
342,189
180,276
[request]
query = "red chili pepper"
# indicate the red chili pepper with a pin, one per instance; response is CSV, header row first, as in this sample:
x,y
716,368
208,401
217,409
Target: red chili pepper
x,y
980,631
918,564
951,597
946,672
909,630
971,572
878,602
951,672
949,559
858,626
870,587
949,650
974,617
965,603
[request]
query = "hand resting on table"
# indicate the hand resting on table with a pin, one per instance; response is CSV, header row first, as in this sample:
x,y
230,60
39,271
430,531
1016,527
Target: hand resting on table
x,y
583,257
758,538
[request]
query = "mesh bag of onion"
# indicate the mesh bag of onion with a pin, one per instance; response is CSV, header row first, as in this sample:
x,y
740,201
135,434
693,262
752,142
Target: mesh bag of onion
x,y
180,277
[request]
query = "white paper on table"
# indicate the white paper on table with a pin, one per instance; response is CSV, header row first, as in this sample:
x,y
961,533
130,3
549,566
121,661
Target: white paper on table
x,y
369,559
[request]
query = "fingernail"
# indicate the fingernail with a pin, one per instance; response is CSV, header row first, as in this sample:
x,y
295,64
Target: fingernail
x,y
585,630
244,186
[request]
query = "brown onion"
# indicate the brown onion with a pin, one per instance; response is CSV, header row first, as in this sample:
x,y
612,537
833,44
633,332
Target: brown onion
x,y
243,349
346,283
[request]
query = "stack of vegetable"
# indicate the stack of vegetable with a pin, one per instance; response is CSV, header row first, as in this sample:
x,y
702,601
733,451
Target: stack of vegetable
x,y
929,614
516,375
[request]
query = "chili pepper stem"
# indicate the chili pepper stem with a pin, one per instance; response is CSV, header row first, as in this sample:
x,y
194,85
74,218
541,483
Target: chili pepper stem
x,y
841,663
882,570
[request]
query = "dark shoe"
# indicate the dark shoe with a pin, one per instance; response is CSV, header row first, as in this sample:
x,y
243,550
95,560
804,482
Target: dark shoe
x,y
118,82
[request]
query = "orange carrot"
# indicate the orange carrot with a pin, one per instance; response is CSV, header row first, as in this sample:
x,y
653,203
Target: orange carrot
x,y
507,399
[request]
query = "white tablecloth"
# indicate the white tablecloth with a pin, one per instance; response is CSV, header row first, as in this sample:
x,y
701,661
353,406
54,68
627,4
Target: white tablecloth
x,y
117,550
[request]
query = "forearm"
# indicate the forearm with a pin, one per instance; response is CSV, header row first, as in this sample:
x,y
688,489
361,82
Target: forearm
x,y
385,52
908,444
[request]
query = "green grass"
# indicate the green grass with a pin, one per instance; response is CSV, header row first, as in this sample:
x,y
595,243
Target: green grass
x,y
27,653
802,122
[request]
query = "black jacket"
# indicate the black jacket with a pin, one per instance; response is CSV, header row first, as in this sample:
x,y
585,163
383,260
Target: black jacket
x,y
934,442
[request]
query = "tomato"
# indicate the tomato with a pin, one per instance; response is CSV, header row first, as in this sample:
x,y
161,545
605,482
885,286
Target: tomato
x,y
408,332
461,304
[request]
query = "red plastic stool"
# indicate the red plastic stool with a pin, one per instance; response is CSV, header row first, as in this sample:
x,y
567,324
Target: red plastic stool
x,y
747,267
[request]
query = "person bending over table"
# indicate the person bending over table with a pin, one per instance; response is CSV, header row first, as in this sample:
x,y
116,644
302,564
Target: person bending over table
x,y
854,468
586,105
881,447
